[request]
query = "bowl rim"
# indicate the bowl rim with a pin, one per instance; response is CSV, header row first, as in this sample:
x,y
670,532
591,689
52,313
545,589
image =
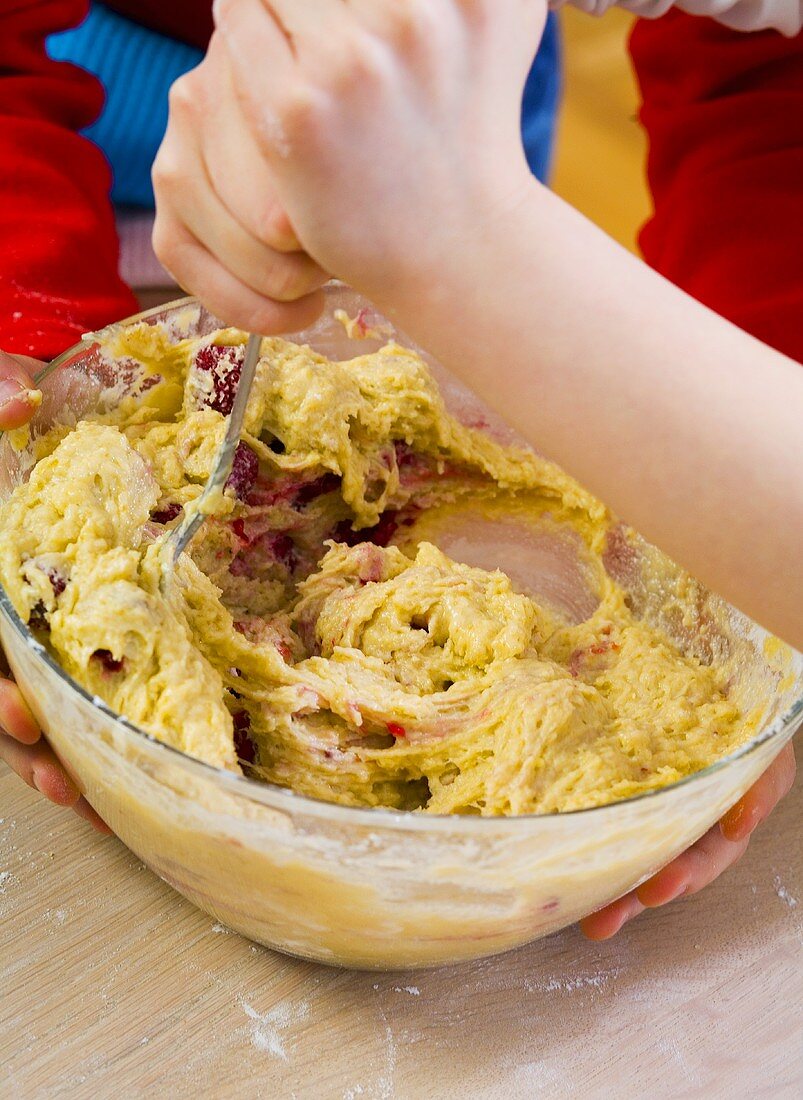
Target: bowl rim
x,y
285,799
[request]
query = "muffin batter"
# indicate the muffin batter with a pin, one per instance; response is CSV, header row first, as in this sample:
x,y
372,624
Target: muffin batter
x,y
313,636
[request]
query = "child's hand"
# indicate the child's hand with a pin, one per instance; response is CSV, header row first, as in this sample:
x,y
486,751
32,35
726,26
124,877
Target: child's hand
x,y
21,744
707,859
389,134
220,230
19,398
26,752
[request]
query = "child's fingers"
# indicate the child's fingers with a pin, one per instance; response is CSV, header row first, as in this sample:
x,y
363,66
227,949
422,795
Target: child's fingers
x,y
15,717
312,23
249,194
693,869
193,178
697,867
688,873
22,748
754,806
19,398
258,42
196,269
39,768
606,922
281,276
397,22
84,810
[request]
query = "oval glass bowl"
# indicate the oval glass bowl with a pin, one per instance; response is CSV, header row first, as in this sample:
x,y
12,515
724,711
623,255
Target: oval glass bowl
x,y
375,888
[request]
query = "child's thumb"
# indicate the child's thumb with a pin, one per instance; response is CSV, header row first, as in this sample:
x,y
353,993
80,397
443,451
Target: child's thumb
x,y
19,399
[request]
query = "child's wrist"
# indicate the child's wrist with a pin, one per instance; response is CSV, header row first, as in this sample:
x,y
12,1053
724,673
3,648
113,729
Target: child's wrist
x,y
469,270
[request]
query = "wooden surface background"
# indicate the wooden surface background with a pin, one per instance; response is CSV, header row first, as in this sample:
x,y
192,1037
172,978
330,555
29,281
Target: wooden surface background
x,y
111,985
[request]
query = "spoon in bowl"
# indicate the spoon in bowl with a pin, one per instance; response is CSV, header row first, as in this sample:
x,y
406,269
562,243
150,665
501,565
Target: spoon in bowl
x,y
179,538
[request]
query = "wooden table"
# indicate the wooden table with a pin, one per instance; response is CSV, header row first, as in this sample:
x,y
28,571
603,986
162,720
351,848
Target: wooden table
x,y
114,986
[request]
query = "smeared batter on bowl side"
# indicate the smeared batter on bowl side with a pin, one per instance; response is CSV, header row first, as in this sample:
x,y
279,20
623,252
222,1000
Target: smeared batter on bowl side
x,y
314,637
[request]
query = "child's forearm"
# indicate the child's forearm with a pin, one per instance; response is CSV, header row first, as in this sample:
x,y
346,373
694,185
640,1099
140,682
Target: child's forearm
x,y
685,425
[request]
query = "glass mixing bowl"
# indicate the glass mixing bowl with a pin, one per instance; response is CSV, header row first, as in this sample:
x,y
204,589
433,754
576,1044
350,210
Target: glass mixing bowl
x,y
376,888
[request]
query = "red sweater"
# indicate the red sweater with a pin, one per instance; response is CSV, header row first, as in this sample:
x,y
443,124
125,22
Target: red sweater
x,y
724,115
58,245
723,111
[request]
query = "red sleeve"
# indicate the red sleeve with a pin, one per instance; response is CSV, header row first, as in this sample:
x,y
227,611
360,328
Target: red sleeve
x,y
58,245
724,117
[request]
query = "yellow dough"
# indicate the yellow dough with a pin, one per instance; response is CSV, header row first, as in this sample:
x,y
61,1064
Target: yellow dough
x,y
315,635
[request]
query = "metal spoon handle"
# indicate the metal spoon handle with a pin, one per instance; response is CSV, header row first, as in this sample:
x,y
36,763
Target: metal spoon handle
x,y
180,536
